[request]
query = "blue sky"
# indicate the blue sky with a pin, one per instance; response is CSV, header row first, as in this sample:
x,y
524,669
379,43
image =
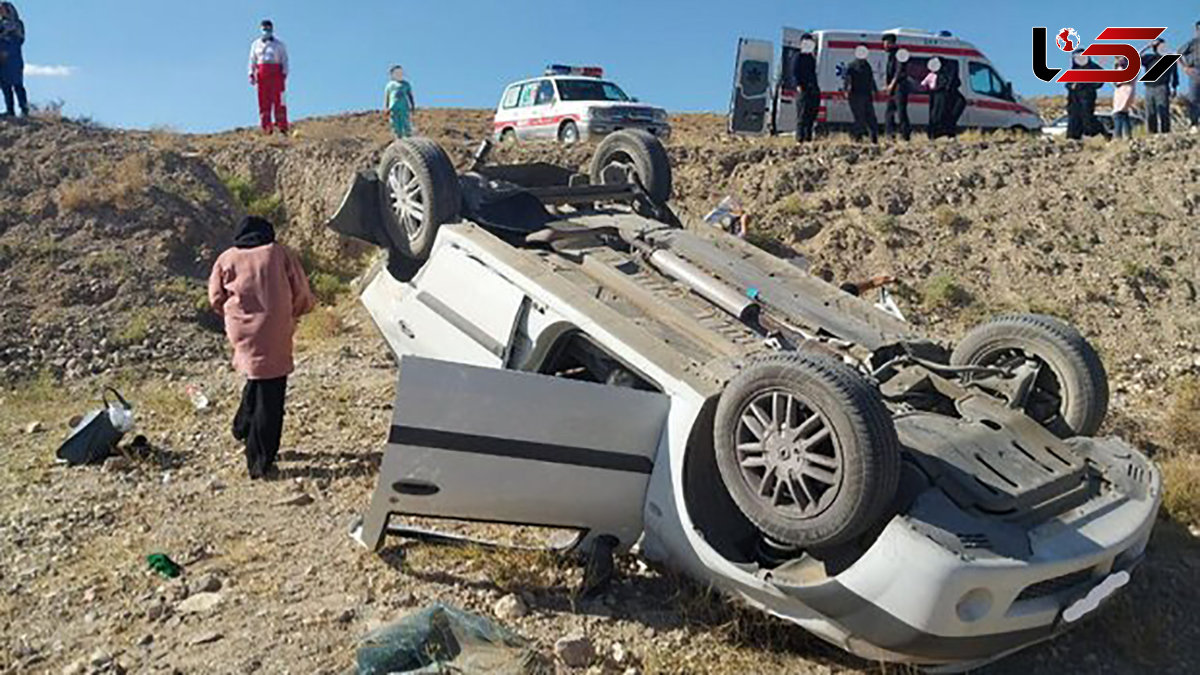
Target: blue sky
x,y
145,63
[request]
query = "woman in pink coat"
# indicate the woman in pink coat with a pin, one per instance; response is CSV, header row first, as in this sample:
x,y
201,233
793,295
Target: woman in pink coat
x,y
260,289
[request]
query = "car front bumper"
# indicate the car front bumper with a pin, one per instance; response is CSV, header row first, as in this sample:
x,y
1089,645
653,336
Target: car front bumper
x,y
600,128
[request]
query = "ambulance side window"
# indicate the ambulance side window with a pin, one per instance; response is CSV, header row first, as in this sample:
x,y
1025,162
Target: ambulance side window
x,y
511,95
545,93
985,81
528,94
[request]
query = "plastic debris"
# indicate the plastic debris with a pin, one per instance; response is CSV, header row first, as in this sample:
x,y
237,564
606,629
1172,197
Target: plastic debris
x,y
442,639
728,216
197,397
161,563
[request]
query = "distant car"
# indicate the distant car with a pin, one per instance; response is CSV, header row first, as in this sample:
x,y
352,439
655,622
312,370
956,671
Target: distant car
x,y
1059,126
571,104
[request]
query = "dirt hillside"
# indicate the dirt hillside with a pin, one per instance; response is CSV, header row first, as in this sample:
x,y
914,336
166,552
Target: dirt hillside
x,y
106,237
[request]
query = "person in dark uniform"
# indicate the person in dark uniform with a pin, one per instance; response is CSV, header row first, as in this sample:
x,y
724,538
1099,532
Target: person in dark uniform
x,y
897,88
1081,101
1159,93
859,83
808,91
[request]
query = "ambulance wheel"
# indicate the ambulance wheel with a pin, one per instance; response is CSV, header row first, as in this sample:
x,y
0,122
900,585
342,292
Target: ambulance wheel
x,y
807,450
508,136
1069,393
637,154
421,194
568,133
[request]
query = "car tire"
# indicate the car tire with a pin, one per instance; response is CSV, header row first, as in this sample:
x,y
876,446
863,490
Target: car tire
x,y
433,198
836,446
1070,398
568,133
508,136
642,153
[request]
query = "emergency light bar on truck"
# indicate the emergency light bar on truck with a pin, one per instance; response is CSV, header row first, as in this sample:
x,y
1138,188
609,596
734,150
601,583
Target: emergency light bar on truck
x,y
582,71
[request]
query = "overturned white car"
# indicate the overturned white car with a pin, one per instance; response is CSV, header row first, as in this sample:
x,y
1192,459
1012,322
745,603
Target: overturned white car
x,y
571,357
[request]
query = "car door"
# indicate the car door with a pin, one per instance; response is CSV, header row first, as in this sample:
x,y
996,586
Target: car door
x,y
750,107
506,112
483,444
545,102
527,116
989,106
456,309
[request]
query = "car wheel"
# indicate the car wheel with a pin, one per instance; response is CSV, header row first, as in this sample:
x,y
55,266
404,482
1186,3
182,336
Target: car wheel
x,y
1069,396
421,194
638,153
807,450
508,136
568,133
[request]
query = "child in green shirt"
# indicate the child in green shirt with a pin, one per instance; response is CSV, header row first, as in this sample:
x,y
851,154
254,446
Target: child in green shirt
x,y
398,103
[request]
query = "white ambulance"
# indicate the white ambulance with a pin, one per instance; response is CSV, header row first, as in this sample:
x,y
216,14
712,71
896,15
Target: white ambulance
x,y
571,104
764,98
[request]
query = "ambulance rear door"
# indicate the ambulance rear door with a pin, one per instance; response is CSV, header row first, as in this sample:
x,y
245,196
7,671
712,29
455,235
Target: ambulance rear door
x,y
750,107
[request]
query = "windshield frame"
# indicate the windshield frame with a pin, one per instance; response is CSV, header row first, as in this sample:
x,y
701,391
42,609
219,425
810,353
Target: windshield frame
x,y
600,85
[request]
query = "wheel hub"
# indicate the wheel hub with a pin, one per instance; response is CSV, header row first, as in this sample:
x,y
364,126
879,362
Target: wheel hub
x,y
788,455
407,198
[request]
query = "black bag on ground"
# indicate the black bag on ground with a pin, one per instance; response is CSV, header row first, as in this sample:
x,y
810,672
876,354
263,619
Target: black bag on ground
x,y
93,439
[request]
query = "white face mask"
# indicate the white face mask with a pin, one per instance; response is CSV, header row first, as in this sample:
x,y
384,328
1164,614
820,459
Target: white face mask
x,y
861,52
807,46
935,64
1080,60
902,55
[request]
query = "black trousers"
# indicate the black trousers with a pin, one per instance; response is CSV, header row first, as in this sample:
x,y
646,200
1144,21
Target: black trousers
x,y
17,88
863,109
807,104
898,106
259,423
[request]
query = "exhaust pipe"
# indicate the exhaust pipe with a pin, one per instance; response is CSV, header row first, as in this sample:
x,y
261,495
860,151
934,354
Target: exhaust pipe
x,y
704,285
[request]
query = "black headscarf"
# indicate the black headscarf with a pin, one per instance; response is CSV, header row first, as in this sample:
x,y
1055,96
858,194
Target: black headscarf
x,y
254,232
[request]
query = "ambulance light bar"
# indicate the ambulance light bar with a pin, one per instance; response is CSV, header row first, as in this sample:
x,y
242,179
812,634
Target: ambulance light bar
x,y
585,71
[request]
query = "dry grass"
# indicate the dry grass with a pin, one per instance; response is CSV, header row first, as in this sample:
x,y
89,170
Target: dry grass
x,y
791,205
118,185
1181,493
510,570
1183,417
319,327
943,292
947,218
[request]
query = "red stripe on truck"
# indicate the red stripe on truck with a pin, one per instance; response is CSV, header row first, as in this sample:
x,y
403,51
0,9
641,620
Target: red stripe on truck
x,y
535,121
923,99
915,49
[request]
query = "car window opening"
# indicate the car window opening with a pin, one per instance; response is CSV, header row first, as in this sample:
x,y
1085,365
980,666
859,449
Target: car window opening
x,y
590,90
578,358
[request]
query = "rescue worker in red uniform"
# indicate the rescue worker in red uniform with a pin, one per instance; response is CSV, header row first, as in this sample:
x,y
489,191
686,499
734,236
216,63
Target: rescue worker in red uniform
x,y
269,71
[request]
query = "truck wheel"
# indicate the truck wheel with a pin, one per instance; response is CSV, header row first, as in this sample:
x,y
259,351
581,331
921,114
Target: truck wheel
x,y
807,450
421,194
568,133
1070,395
642,155
508,136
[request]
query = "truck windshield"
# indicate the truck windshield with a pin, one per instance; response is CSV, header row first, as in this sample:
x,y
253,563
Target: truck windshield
x,y
590,90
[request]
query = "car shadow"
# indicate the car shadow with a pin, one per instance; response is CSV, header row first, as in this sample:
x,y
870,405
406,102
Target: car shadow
x,y
662,601
329,466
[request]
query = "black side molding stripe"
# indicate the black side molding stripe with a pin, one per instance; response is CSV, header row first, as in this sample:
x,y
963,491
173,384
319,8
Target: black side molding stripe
x,y
461,323
517,449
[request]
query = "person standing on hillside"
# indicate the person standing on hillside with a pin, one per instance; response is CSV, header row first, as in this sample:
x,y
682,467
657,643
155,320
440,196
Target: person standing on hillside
x,y
1189,54
12,61
808,90
269,72
398,103
1158,93
1081,101
897,88
260,290
946,102
859,83
1124,98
